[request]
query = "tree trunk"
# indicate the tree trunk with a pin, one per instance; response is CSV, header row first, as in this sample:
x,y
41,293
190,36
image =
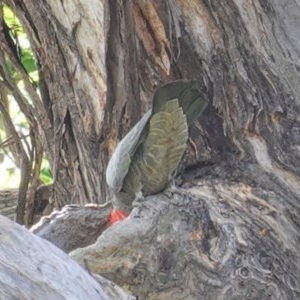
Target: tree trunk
x,y
70,53
238,237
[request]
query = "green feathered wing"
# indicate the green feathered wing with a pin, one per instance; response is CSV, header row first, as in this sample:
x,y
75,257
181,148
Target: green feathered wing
x,y
148,155
159,155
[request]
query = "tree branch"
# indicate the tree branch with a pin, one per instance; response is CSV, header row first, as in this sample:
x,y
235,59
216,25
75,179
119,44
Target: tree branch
x,y
33,268
74,226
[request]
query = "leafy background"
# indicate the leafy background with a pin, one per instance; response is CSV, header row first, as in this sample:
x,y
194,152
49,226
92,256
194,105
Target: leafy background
x,y
9,171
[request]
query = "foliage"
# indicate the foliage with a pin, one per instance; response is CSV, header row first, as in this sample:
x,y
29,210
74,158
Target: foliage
x,y
45,174
9,171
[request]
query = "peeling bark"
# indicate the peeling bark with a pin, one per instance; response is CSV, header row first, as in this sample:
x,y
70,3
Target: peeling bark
x,y
69,46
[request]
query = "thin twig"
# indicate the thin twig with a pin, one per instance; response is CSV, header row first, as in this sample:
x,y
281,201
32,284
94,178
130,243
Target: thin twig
x,y
25,166
10,141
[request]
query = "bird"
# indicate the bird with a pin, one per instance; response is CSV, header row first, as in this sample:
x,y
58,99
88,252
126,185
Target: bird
x,y
147,158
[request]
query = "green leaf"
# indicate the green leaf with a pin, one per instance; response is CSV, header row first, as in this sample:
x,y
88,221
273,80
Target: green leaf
x,y
46,175
22,43
28,60
11,19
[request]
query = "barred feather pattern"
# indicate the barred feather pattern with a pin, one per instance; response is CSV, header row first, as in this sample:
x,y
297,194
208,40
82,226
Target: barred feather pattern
x,y
159,155
148,155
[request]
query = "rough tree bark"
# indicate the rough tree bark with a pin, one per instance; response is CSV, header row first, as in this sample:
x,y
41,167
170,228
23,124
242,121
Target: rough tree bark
x,y
74,226
8,202
232,232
